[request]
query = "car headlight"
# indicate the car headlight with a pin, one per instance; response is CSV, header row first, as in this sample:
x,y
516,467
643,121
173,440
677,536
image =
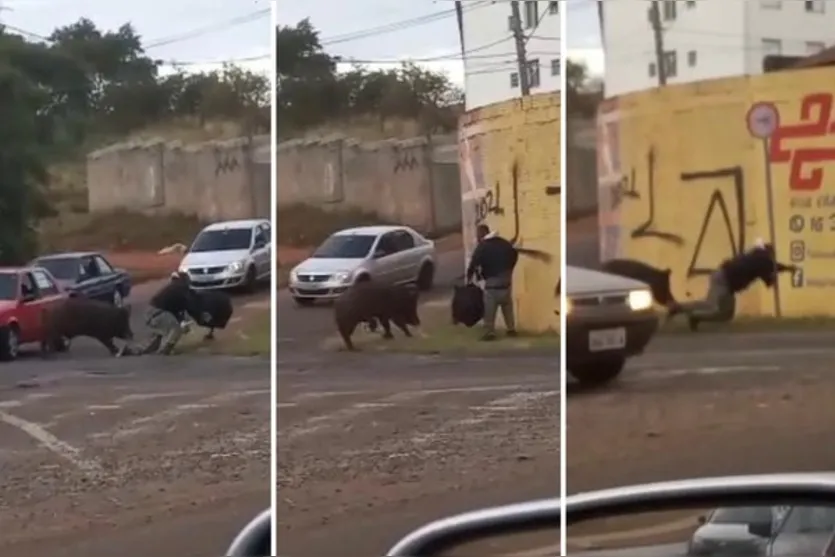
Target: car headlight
x,y
294,276
640,300
342,276
236,267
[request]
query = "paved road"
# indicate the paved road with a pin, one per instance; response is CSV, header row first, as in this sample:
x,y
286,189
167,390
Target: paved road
x,y
133,456
371,448
707,405
667,550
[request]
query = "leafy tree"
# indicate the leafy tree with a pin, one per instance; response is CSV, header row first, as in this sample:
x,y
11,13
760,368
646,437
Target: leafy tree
x,y
311,91
579,100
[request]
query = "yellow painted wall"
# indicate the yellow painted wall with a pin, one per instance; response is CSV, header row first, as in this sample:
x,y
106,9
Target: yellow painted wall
x,y
510,170
692,143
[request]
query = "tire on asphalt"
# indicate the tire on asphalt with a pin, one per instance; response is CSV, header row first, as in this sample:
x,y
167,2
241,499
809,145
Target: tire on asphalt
x,y
9,343
117,299
597,373
426,277
251,280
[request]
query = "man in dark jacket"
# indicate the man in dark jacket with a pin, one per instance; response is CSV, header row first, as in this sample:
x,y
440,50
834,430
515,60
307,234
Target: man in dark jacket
x,y
734,275
494,259
167,311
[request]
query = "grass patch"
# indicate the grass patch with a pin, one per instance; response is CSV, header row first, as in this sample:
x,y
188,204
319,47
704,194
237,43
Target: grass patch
x,y
117,231
302,225
251,336
438,336
753,325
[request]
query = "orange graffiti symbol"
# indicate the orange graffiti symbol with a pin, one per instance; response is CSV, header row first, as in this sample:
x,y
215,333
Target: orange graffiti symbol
x,y
816,122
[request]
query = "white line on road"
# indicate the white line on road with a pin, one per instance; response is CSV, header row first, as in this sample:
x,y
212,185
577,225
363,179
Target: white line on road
x,y
52,443
710,370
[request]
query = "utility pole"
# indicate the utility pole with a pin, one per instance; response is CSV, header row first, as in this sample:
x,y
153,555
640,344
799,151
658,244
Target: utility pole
x,y
521,56
658,36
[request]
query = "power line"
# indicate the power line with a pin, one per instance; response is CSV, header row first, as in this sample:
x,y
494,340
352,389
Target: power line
x,y
446,59
398,25
441,57
208,29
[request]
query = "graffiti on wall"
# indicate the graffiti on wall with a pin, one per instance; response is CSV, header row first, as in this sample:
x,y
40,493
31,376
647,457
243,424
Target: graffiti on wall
x,y
225,162
404,160
732,223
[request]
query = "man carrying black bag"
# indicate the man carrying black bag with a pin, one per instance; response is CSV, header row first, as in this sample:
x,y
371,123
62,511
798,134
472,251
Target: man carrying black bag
x,y
494,258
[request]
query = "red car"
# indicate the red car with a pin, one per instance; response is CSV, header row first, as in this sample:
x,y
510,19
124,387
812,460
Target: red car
x,y
24,295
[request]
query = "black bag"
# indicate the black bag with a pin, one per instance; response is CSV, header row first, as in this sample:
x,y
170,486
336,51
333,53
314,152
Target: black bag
x,y
467,305
212,309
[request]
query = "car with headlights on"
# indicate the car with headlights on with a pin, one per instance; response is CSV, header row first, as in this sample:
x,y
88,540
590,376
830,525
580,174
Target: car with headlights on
x,y
230,254
385,254
609,319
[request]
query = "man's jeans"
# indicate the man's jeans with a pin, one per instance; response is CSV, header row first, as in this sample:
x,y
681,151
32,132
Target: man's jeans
x,y
495,299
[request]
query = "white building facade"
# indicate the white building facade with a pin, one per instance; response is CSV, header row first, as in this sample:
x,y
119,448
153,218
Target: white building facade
x,y
708,39
491,71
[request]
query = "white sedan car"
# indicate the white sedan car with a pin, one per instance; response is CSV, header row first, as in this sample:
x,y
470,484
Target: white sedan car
x,y
385,254
230,254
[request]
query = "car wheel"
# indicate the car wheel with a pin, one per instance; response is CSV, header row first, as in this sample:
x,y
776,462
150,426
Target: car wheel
x,y
426,277
597,373
303,302
9,343
363,278
117,300
251,280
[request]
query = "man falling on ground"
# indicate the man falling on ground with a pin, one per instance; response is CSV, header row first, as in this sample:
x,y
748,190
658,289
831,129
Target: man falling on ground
x,y
166,316
494,259
733,276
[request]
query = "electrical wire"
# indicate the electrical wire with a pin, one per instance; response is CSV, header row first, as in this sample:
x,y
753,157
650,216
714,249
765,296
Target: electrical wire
x,y
208,29
399,25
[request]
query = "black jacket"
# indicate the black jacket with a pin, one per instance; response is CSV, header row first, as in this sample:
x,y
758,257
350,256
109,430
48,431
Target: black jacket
x,y
175,297
494,258
745,268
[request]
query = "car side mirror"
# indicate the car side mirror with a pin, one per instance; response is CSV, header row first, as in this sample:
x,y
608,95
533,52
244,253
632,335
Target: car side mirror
x,y
28,297
378,253
702,519
760,529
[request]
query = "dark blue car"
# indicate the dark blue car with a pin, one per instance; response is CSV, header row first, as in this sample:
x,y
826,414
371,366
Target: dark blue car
x,y
88,274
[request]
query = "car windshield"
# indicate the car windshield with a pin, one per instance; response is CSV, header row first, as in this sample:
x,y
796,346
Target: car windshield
x,y
353,246
8,286
741,515
802,520
62,268
222,240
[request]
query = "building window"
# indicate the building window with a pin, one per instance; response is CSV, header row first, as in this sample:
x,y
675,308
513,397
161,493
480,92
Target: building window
x,y
555,66
813,47
771,4
691,58
814,6
553,8
772,47
510,23
652,69
514,80
670,63
533,73
691,4
531,14
669,11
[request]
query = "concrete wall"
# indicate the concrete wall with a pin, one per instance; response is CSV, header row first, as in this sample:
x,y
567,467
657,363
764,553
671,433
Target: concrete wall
x,y
216,180
510,179
414,182
693,174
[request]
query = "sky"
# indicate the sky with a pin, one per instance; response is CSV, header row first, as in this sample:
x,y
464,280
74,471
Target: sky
x,y
337,20
199,32
583,40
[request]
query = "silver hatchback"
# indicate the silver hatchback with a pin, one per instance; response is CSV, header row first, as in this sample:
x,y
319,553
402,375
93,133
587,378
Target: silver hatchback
x,y
385,254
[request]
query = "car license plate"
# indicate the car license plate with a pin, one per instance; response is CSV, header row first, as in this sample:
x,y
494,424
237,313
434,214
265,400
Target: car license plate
x,y
607,339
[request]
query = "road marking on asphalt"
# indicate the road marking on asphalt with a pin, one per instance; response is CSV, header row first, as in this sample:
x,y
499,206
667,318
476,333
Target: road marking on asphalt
x,y
138,397
710,370
144,424
591,542
47,440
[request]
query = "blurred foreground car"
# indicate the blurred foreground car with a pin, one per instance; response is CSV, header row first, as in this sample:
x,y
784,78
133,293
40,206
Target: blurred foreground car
x,y
24,295
230,254
88,274
385,254
610,319
727,530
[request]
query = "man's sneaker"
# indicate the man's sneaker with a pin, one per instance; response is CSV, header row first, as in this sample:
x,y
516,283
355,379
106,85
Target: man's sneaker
x,y
693,323
512,333
488,336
